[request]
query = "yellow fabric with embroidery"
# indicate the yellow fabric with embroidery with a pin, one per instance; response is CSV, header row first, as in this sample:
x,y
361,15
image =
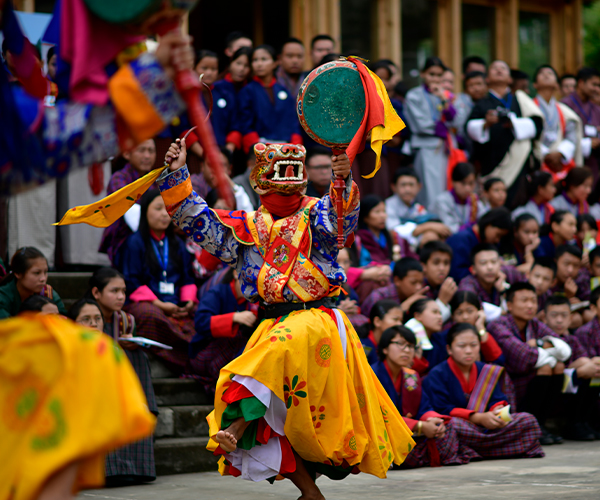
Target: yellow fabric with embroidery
x,y
337,409
109,209
393,124
67,394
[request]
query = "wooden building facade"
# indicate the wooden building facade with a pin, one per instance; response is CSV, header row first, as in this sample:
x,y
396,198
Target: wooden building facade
x,y
524,33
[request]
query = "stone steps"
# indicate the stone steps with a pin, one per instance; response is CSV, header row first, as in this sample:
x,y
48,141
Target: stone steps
x,y
183,455
70,286
182,421
179,392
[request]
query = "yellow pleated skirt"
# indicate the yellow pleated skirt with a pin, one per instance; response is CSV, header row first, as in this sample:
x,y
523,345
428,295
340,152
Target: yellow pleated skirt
x,y
67,394
337,411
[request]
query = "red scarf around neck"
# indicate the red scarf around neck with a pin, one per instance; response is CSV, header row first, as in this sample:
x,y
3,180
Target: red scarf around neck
x,y
281,206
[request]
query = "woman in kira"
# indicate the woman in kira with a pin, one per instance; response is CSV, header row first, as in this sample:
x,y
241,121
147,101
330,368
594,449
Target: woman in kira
x,y
437,442
384,314
162,294
469,391
134,463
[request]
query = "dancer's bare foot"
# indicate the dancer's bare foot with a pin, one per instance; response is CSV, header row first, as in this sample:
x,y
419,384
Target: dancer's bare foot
x,y
226,440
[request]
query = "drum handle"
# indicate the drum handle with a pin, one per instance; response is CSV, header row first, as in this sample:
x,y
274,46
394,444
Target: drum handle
x,y
189,87
339,185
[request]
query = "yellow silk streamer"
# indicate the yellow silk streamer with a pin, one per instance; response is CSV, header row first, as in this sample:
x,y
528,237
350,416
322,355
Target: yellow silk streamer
x,y
108,210
392,125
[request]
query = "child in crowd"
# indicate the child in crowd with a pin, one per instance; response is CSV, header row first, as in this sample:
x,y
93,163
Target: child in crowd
x,y
535,356
520,248
581,403
587,232
224,321
543,190
384,314
376,241
266,110
542,276
561,231
435,258
40,304
469,391
437,443
349,302
573,281
487,280
490,228
494,193
28,276
594,266
407,217
160,284
460,207
133,464
577,186
406,287
429,317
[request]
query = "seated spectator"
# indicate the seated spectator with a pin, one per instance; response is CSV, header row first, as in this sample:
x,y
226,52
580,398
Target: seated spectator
x,y
384,314
40,304
437,443
535,367
468,390
427,314
27,277
520,248
318,168
87,312
581,403
224,322
407,217
573,281
587,232
576,187
594,265
561,231
161,289
134,463
2,269
377,243
406,287
542,276
140,160
542,191
459,208
349,302
436,257
494,193
242,200
243,179
589,337
491,228
488,280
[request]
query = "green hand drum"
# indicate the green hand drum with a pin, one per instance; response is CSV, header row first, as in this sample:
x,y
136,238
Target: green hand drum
x,y
331,104
138,12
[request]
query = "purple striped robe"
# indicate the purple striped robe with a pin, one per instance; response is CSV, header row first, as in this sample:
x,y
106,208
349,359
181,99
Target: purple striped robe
x,y
589,337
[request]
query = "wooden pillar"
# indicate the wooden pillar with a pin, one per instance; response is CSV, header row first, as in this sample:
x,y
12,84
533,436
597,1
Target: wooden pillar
x,y
25,5
578,34
312,17
556,36
507,32
258,23
387,43
449,46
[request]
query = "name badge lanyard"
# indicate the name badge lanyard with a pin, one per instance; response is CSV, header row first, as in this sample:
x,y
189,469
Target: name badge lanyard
x,y
163,260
